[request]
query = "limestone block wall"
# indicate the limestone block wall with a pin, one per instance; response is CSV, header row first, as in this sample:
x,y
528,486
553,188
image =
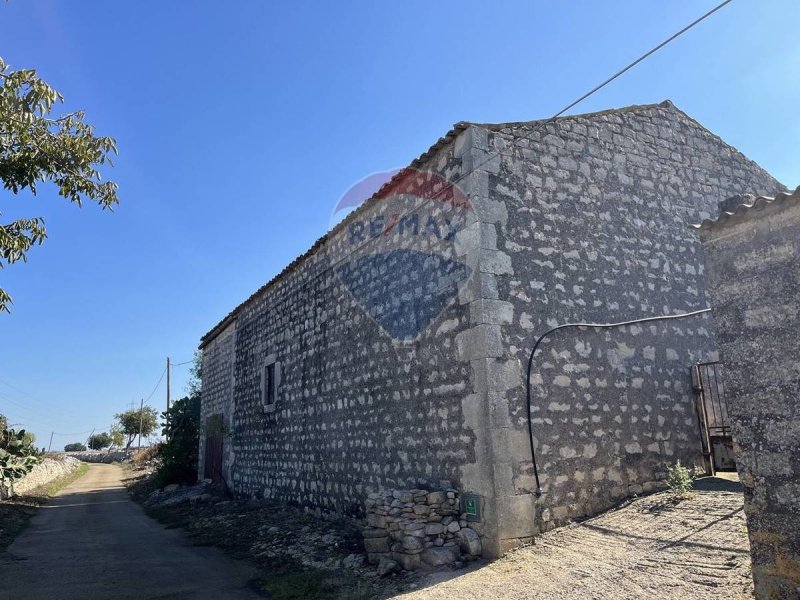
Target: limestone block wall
x,y
598,209
753,264
43,473
387,378
100,456
418,529
370,383
217,395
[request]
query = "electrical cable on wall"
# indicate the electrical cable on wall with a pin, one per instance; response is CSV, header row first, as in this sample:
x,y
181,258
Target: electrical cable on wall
x,y
528,394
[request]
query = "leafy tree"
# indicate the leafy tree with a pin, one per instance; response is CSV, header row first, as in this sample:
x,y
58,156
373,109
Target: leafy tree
x,y
117,437
182,432
36,147
74,447
98,441
137,422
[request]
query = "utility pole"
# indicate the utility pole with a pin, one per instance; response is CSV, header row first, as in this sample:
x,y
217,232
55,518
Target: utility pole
x,y
50,445
89,440
141,421
167,399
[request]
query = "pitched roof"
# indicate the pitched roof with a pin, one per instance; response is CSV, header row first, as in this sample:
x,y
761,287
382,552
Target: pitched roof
x,y
443,141
745,206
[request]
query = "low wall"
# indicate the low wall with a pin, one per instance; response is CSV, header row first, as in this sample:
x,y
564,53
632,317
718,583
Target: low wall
x,y
42,474
100,456
416,528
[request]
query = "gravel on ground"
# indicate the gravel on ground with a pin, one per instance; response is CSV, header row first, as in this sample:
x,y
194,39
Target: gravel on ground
x,y
696,549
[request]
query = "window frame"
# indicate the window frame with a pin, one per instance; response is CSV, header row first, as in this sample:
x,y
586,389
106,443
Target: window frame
x,y
269,389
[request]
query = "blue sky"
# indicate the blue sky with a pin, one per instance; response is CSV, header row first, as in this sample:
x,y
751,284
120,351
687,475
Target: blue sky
x,y
241,124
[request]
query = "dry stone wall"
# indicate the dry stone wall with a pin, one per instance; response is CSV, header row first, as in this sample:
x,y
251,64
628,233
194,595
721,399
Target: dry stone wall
x,y
417,528
753,264
43,473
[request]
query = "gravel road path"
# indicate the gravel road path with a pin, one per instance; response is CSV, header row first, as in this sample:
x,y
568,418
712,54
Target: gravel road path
x,y
696,550
92,541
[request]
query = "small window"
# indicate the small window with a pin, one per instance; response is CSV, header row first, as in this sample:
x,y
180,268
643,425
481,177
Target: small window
x,y
269,384
270,381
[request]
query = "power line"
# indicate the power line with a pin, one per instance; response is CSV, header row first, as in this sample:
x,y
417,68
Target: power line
x,y
491,156
640,59
48,405
160,379
182,363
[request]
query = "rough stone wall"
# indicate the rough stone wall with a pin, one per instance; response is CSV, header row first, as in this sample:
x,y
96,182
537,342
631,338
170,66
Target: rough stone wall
x,y
357,409
417,528
586,220
100,456
43,473
753,266
598,209
217,395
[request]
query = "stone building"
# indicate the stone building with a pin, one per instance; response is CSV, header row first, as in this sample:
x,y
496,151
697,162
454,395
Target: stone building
x,y
753,260
391,354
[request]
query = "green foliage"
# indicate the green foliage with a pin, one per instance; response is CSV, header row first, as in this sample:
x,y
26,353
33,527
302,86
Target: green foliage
x,y
195,374
679,480
182,432
137,422
98,441
35,148
117,437
17,455
75,447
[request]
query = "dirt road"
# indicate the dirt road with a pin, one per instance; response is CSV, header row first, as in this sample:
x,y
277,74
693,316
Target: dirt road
x,y
649,549
91,541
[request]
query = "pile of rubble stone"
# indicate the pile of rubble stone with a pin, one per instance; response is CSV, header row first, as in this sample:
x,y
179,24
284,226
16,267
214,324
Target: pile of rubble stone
x,y
411,529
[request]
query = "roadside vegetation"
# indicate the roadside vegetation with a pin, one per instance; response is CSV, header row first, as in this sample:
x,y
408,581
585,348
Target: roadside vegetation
x,y
18,455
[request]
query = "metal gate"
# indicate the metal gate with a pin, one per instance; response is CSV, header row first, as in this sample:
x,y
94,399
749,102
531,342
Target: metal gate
x,y
213,455
712,415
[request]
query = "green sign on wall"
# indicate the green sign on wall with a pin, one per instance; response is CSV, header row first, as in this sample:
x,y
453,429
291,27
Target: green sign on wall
x,y
471,506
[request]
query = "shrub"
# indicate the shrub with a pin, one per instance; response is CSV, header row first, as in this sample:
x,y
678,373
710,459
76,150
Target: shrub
x,y
182,432
75,447
679,480
18,455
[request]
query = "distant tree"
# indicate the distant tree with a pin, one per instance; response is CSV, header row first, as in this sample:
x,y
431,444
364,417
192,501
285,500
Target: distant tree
x,y
98,441
35,148
75,447
117,437
135,422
